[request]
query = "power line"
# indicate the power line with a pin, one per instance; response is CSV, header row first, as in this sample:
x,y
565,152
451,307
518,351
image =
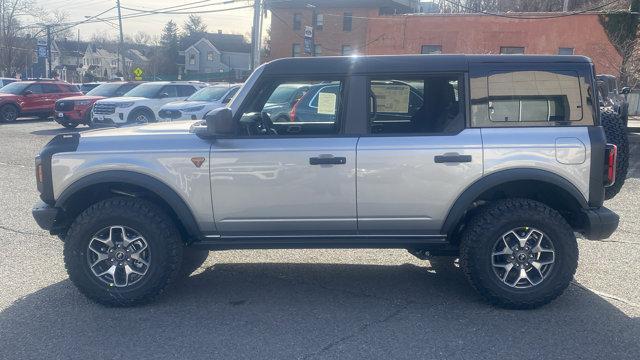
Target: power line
x,y
533,17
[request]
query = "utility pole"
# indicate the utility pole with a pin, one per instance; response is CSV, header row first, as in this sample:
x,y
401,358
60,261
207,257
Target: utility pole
x,y
49,61
121,43
255,34
565,6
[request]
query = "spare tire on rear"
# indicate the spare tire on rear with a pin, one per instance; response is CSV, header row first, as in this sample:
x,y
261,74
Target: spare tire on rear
x,y
616,133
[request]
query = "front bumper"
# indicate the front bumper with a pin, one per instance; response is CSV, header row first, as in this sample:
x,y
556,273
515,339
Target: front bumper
x,y
45,215
599,223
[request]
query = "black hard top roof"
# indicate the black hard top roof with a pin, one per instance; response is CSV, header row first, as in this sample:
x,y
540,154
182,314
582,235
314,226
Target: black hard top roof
x,y
404,63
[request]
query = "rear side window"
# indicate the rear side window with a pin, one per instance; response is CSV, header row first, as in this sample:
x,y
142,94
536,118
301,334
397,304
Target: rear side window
x,y
528,98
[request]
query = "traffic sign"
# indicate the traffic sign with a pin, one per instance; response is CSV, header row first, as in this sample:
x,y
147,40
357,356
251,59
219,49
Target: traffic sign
x,y
137,72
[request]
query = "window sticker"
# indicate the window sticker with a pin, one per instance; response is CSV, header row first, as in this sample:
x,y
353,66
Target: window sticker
x,y
327,103
392,98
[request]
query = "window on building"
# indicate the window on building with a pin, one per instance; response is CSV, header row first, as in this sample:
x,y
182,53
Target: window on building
x,y
347,50
416,104
347,21
312,108
210,56
542,96
317,50
565,51
319,22
431,49
511,50
297,21
192,59
295,50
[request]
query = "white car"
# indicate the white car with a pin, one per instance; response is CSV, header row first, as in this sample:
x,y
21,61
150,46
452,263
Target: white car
x,y
142,103
196,106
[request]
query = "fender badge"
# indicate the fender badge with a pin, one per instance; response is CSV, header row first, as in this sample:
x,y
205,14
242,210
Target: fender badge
x,y
198,161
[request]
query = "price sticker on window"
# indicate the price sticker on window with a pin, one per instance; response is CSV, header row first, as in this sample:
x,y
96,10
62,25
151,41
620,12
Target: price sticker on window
x,y
327,103
392,98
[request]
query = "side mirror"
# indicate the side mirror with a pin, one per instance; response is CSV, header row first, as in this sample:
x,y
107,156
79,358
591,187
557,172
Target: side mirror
x,y
164,95
220,122
28,92
625,90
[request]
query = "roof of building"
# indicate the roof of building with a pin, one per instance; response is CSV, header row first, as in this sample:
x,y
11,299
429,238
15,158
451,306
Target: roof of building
x,y
222,42
403,63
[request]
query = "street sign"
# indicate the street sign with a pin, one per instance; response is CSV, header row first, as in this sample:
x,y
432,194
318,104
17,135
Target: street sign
x,y
308,40
137,72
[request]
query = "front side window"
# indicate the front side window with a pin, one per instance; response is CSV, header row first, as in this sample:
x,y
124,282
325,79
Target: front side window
x,y
427,104
523,98
50,88
431,49
169,91
511,50
148,90
295,108
185,90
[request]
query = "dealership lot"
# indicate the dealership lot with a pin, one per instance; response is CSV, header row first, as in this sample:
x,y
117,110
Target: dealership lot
x,y
305,303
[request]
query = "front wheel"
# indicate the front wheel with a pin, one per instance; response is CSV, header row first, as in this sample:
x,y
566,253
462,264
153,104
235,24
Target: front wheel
x,y
519,253
122,251
8,113
141,116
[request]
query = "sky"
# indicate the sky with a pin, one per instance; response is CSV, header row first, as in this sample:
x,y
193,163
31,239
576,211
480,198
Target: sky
x,y
236,21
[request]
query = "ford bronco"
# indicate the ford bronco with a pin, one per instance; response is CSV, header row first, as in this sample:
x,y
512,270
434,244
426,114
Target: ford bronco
x,y
497,160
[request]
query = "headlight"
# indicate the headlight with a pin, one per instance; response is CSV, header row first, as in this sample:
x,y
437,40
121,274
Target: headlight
x,y
192,109
125,104
83,102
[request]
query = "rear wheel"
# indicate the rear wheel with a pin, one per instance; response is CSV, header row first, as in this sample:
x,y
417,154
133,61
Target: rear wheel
x,y
8,113
616,133
122,251
519,253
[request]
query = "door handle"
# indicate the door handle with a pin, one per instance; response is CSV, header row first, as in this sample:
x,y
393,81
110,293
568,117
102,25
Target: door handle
x,y
327,160
452,158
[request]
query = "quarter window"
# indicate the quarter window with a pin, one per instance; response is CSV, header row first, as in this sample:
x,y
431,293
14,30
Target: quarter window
x,y
531,96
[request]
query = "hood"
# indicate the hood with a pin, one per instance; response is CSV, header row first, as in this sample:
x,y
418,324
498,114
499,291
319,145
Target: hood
x,y
177,105
123,99
160,128
84,97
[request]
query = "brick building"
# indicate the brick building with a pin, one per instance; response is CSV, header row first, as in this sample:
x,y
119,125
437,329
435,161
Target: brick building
x,y
344,27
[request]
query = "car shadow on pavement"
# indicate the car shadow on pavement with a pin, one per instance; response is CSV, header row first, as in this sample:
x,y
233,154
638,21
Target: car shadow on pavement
x,y
286,311
634,156
60,130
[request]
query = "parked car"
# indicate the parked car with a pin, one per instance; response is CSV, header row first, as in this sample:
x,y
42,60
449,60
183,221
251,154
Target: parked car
x,y
142,104
196,106
7,81
283,99
76,110
501,179
32,98
86,87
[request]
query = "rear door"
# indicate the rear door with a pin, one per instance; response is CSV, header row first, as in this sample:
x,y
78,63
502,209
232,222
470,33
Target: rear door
x,y
418,156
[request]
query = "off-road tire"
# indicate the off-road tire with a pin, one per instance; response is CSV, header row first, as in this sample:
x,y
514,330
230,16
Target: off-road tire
x,y
192,259
499,217
616,133
8,113
162,236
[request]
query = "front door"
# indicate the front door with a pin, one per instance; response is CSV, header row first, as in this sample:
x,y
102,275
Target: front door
x,y
287,177
419,156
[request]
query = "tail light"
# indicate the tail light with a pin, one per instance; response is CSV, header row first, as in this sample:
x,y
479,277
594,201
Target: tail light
x,y
292,113
611,160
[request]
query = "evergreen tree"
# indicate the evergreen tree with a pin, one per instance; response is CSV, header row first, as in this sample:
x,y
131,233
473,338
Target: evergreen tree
x,y
168,51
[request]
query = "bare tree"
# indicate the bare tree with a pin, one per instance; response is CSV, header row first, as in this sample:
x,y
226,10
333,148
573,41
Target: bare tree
x,y
142,38
14,47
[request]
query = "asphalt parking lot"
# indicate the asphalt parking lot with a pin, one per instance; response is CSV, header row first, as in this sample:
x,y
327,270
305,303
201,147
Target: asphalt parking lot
x,y
305,304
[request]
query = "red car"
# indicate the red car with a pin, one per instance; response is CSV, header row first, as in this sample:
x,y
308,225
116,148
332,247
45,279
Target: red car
x,y
32,98
76,110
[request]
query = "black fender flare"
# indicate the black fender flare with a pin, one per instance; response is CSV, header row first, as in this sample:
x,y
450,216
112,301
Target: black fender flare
x,y
471,193
163,191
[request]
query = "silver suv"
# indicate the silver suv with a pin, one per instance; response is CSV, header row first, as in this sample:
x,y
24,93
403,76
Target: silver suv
x,y
496,160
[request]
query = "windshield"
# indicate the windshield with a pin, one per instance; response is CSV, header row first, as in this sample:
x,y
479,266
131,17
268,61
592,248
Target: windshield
x,y
105,90
282,94
145,90
212,93
15,88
